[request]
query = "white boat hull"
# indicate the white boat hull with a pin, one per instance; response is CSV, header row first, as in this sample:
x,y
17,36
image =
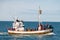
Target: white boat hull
x,y
30,32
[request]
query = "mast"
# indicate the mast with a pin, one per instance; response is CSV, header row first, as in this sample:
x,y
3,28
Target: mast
x,y
39,14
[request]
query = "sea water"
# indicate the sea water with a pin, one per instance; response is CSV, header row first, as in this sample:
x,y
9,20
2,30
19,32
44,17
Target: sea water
x,y
4,25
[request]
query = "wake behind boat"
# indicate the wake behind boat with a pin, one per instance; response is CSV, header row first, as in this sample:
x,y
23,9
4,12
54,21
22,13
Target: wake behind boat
x,y
18,28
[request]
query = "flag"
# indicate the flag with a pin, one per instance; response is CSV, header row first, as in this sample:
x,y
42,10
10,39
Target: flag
x,y
40,11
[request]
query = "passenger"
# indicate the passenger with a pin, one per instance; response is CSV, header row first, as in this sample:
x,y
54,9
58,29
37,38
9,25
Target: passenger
x,y
46,26
50,26
32,29
40,27
28,29
13,28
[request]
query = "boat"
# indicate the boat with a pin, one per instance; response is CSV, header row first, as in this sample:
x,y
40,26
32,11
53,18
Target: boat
x,y
18,28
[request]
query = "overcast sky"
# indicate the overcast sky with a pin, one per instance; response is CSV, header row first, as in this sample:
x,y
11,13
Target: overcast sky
x,y
27,10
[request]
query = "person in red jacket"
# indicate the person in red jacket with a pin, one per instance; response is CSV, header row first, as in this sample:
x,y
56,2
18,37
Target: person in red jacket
x,y
40,27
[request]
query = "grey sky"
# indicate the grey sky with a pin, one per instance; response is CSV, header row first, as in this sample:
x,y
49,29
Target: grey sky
x,y
28,10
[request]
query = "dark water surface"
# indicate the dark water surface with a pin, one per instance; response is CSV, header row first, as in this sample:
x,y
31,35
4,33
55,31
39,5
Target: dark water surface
x,y
4,25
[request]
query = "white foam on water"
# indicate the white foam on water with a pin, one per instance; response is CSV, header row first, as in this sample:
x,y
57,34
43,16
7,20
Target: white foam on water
x,y
50,33
20,35
3,33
